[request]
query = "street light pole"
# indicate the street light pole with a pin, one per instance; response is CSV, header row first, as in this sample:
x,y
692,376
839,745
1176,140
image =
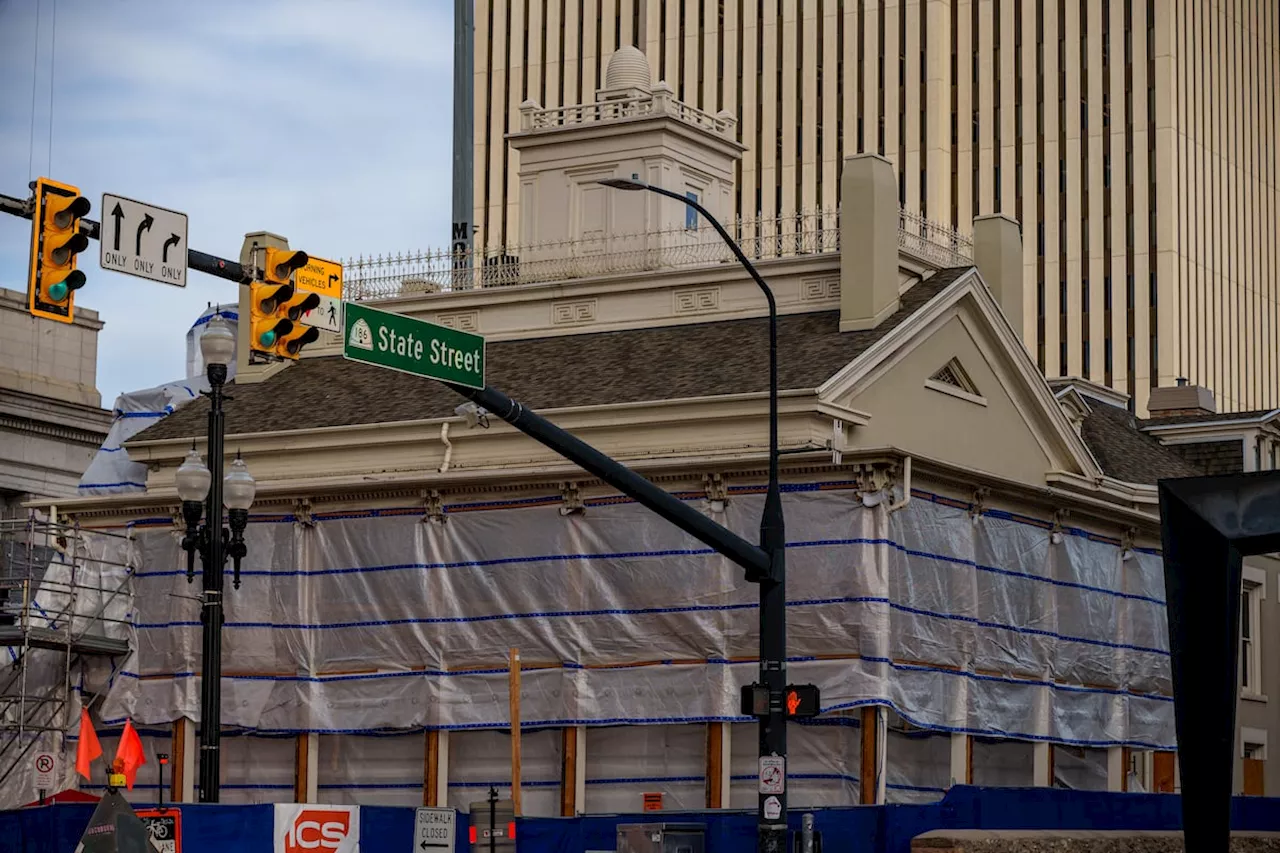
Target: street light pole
x,y
214,543
771,814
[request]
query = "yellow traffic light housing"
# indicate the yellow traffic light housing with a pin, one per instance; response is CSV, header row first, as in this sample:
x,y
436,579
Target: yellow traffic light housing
x,y
291,343
281,263
276,306
52,277
267,318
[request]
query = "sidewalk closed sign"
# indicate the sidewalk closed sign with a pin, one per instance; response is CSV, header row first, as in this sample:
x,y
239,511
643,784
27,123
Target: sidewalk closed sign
x,y
307,828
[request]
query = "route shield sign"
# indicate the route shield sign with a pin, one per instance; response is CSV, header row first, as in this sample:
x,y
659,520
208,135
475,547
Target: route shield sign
x,y
412,346
141,239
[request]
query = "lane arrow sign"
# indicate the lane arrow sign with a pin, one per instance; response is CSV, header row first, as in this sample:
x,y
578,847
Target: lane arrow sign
x,y
118,215
172,241
145,225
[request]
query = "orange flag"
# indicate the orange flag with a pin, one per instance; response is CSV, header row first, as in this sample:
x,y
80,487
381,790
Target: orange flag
x,y
87,748
129,753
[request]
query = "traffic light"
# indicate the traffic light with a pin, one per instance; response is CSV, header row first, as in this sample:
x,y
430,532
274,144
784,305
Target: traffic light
x,y
292,342
279,272
268,321
52,277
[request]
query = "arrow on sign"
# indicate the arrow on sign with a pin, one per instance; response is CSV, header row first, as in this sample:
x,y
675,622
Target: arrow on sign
x,y
332,279
118,215
144,225
172,241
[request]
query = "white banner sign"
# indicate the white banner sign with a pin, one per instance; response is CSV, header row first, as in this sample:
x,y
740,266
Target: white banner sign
x,y
312,828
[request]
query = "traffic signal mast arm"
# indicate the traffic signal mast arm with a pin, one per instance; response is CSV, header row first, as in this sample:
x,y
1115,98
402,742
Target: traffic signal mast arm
x,y
198,261
752,558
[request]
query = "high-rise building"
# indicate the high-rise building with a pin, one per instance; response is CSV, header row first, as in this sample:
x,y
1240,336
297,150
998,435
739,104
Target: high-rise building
x,y
1132,139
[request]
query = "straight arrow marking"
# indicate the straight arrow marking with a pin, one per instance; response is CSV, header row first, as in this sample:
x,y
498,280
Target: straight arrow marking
x,y
118,215
164,252
144,225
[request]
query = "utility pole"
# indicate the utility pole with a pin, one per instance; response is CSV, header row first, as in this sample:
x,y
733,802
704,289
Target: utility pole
x,y
463,136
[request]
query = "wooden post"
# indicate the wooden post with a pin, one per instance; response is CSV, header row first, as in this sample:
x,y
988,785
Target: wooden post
x,y
867,774
515,728
715,765
306,769
183,750
568,771
431,769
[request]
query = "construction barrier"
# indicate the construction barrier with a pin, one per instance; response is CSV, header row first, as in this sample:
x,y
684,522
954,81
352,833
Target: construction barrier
x,y
867,829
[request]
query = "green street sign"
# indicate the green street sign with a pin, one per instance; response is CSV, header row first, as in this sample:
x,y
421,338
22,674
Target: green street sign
x,y
412,346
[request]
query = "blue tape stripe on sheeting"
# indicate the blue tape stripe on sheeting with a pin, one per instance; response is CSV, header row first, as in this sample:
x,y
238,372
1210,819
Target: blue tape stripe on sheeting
x,y
671,552
646,611
633,721
539,783
144,414
113,486
1004,735
632,780
369,676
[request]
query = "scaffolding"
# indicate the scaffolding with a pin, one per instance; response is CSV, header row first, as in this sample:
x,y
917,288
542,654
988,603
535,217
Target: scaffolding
x,y
64,628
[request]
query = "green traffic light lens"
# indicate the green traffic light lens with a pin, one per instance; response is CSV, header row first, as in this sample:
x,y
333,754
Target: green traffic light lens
x,y
57,292
267,339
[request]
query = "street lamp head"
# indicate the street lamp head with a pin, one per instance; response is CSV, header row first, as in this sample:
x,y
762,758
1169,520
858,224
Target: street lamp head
x,y
238,487
631,183
218,343
193,478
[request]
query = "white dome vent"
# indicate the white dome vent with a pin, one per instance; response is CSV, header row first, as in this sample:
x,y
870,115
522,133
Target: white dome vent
x,y
628,69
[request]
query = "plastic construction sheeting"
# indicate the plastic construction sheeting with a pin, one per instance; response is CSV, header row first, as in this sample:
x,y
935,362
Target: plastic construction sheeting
x,y
626,762
111,471
823,761
371,770
376,622
256,769
1080,769
480,759
917,766
1003,764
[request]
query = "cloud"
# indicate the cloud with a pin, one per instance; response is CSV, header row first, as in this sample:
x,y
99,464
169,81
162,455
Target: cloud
x,y
328,122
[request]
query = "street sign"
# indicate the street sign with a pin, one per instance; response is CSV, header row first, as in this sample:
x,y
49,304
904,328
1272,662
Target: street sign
x,y
46,765
141,239
164,828
412,346
327,315
773,774
434,829
320,276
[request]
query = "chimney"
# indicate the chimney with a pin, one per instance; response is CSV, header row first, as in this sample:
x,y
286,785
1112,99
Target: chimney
x,y
868,242
1181,399
997,253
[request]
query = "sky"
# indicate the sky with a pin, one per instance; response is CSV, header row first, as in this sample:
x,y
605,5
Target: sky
x,y
326,121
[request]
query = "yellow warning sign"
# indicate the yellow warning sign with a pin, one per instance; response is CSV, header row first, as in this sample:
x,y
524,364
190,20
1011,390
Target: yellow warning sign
x,y
320,276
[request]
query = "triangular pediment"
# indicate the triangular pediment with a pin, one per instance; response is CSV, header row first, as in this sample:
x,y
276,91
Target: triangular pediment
x,y
955,383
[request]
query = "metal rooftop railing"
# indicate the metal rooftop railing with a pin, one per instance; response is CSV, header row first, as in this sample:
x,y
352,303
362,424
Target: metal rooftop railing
x,y
810,233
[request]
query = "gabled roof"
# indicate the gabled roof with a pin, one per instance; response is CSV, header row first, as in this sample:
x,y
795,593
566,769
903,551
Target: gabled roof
x,y
656,363
1125,452
1197,418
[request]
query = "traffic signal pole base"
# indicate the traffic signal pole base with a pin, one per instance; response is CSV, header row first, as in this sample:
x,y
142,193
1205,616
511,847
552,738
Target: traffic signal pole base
x,y
771,838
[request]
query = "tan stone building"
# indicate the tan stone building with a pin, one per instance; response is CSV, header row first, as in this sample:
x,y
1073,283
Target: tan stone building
x,y
51,418
1132,139
974,580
